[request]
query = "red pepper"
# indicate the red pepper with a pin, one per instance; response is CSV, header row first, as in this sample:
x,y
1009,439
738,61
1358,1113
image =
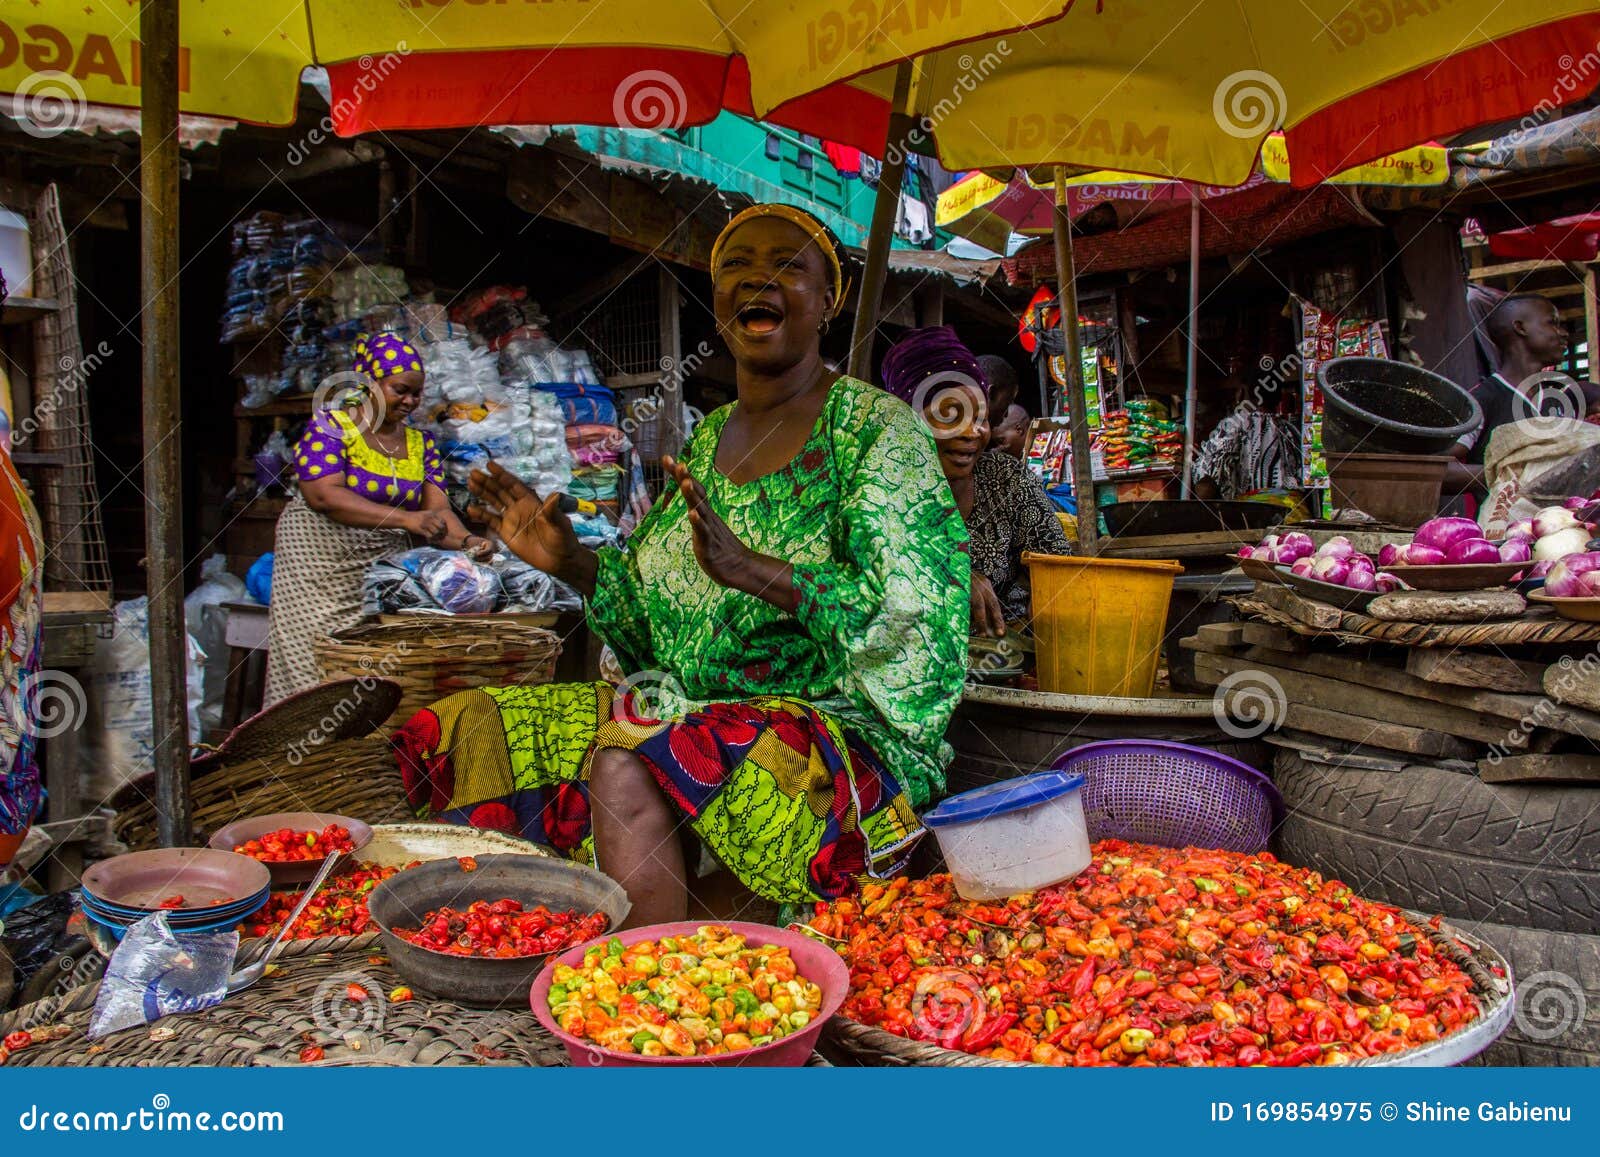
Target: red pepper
x,y
988,1033
1083,978
1303,1055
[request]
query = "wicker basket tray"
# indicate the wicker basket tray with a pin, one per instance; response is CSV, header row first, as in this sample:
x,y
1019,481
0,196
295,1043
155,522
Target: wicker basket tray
x,y
432,657
301,1005
852,1043
359,778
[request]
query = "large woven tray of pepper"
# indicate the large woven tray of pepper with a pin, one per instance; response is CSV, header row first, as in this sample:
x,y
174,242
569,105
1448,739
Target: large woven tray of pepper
x,y
1158,956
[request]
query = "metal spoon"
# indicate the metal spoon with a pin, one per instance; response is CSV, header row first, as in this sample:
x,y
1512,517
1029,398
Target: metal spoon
x,y
251,973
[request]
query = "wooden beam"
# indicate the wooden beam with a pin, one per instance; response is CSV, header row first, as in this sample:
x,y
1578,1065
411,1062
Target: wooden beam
x,y
163,462
1591,321
1077,413
1510,268
885,210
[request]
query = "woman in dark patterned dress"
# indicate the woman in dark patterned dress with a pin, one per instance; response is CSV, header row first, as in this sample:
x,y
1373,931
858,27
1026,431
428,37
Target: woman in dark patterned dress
x,y
1003,504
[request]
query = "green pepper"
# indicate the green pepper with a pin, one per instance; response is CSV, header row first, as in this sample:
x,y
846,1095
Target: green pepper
x,y
641,1037
558,994
714,991
615,947
745,1001
1143,974
611,1009
1206,885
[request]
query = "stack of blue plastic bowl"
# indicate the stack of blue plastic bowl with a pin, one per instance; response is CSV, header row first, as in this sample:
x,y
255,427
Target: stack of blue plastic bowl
x,y
116,901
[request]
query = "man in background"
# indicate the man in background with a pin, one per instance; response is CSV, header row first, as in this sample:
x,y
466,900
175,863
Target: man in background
x,y
1009,434
1527,332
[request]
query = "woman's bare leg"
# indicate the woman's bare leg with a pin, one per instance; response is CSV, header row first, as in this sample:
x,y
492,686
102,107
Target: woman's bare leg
x,y
636,838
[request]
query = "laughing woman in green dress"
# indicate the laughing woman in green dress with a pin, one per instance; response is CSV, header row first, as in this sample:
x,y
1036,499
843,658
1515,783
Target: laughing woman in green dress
x,y
792,616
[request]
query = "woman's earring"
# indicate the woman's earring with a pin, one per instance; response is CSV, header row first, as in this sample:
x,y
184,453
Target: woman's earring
x,y
823,328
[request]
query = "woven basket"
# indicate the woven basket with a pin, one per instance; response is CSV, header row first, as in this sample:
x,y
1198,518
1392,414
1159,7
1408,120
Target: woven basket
x,y
435,656
302,1004
359,778
849,1042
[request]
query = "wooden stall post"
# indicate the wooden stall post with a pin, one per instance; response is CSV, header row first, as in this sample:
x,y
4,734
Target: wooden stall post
x,y
1077,415
158,229
884,211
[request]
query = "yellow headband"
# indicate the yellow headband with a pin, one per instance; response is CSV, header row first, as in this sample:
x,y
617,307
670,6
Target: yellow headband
x,y
813,229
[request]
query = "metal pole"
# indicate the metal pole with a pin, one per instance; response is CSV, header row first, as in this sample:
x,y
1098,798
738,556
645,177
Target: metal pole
x,y
1192,371
163,520
884,211
1077,415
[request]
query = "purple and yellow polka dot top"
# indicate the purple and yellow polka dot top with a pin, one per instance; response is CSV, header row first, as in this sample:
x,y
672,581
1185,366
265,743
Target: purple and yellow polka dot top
x,y
334,448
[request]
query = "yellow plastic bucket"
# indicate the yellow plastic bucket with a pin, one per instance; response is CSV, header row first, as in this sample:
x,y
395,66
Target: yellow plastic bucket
x,y
1098,622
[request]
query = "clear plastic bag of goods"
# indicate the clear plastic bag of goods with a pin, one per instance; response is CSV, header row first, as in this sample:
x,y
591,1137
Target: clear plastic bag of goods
x,y
529,590
454,582
582,369
207,621
526,358
156,973
119,737
389,588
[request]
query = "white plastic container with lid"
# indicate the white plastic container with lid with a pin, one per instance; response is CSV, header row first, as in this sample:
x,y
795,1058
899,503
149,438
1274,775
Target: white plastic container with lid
x,y
16,253
1013,836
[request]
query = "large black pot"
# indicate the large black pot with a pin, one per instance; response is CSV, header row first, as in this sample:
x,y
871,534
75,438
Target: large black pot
x,y
1188,516
404,899
1378,406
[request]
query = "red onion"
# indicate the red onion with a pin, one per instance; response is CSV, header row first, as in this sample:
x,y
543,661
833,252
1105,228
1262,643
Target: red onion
x,y
1443,533
1516,550
1389,554
1302,566
1522,529
1297,542
1336,547
1361,580
1569,578
1331,569
1387,583
1471,551
1419,555
1538,570
1359,561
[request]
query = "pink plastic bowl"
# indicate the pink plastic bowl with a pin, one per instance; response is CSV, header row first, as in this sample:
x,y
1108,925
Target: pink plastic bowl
x,y
816,961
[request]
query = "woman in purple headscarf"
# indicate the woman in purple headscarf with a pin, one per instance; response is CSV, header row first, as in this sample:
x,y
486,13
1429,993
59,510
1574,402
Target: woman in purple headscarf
x,y
369,485
1003,504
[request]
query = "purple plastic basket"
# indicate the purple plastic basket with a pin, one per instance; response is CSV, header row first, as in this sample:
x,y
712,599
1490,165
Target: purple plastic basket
x,y
1152,791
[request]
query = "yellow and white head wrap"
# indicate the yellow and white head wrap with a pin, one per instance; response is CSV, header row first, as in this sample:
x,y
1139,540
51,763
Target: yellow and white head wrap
x,y
813,229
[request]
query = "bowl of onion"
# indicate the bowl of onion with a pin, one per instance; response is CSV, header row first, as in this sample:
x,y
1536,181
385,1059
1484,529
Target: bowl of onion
x,y
1337,573
1572,587
1452,554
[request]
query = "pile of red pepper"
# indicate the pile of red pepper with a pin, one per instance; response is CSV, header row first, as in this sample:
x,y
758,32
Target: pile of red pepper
x,y
503,928
287,846
338,909
1150,956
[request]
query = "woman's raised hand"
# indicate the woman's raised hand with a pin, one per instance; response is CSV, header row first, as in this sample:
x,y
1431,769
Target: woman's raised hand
x,y
532,528
717,549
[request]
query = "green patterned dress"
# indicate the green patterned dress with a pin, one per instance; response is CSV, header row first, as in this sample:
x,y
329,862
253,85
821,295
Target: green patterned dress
x,y
797,744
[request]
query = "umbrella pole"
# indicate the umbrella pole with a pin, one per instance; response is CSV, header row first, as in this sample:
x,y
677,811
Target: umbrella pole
x,y
158,229
884,211
1191,372
1077,409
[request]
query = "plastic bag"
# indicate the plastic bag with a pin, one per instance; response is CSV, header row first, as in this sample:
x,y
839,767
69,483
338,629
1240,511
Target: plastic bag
x,y
154,973
388,588
447,579
207,621
530,590
120,733
258,579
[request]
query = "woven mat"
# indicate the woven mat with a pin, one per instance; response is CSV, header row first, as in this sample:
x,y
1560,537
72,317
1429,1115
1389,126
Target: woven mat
x,y
1537,627
303,1004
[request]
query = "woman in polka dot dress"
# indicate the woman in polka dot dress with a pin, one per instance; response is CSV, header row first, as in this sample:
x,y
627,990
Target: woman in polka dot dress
x,y
369,484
